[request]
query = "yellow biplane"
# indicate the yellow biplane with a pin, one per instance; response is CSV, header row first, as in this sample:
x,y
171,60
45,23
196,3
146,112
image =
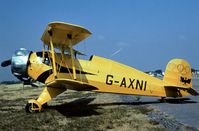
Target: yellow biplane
x,y
59,69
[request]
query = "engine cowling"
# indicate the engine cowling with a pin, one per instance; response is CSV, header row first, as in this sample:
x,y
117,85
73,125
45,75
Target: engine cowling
x,y
19,63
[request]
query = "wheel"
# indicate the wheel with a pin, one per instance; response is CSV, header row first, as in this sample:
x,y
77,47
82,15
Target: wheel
x,y
31,108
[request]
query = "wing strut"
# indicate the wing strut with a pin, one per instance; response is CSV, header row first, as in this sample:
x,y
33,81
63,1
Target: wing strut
x,y
72,56
53,53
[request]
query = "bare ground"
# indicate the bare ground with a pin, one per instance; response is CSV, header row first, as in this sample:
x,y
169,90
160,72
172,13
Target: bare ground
x,y
79,111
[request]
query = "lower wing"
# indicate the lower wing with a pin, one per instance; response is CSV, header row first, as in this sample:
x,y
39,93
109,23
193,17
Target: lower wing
x,y
71,84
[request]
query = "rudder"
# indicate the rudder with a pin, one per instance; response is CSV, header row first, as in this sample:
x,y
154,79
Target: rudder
x,y
178,74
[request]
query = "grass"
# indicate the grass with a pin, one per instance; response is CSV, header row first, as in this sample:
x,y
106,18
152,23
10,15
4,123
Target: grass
x,y
72,111
128,118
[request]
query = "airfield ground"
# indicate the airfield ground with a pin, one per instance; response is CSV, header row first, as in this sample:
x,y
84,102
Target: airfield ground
x,y
82,111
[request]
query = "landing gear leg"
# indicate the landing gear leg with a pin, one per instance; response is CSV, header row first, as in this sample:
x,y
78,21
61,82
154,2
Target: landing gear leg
x,y
34,106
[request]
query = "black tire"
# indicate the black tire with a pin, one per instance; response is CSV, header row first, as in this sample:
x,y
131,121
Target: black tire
x,y
28,108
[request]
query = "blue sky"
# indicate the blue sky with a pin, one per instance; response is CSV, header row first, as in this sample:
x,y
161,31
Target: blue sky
x,y
144,34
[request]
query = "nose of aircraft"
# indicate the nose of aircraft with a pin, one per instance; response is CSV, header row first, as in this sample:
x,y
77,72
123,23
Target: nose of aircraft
x,y
19,63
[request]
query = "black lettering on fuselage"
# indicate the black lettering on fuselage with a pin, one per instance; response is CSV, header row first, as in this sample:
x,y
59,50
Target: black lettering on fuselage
x,y
123,83
145,83
109,79
116,81
131,83
139,84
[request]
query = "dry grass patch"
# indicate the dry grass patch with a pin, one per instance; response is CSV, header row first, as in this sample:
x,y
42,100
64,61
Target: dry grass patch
x,y
72,111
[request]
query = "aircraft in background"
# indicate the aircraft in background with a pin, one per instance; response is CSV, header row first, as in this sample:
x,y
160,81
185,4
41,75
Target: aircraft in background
x,y
195,72
156,73
59,69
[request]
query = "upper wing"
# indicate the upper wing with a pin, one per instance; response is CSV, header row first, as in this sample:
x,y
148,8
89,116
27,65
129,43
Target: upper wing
x,y
71,84
61,32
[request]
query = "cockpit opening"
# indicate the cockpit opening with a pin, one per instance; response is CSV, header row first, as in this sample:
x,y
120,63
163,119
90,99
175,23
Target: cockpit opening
x,y
46,59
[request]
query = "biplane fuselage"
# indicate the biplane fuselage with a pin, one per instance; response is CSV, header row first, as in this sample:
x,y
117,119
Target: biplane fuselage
x,y
104,74
60,70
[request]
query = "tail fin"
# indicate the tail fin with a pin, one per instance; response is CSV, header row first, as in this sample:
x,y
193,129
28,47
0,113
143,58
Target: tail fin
x,y
178,74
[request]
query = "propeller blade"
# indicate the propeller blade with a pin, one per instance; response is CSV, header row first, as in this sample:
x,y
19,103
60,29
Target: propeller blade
x,y
6,63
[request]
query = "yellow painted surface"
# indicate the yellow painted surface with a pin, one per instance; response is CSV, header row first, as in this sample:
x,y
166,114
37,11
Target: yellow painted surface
x,y
60,30
99,74
53,58
36,68
176,70
110,76
49,93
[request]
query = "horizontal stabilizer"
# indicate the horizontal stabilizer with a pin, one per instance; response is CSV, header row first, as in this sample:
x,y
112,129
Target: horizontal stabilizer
x,y
192,92
189,90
